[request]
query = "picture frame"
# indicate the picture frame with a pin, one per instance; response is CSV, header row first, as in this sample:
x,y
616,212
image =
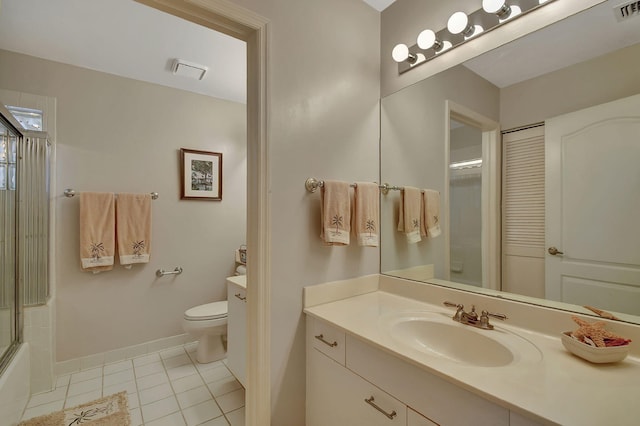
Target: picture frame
x,y
200,175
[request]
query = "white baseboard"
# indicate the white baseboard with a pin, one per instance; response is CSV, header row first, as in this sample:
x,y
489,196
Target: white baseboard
x,y
83,363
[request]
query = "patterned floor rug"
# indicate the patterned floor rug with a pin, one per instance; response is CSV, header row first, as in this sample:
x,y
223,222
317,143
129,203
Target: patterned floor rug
x,y
108,411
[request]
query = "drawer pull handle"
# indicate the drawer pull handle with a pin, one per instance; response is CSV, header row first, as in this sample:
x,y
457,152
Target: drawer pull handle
x,y
239,296
321,338
374,405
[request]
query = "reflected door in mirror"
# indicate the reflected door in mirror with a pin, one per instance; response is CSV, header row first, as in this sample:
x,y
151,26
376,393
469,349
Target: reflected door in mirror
x,y
592,205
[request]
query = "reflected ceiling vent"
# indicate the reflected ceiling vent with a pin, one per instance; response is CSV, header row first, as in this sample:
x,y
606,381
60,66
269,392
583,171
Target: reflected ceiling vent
x,y
188,69
626,10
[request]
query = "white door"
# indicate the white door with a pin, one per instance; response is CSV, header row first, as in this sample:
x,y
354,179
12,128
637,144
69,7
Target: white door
x,y
592,185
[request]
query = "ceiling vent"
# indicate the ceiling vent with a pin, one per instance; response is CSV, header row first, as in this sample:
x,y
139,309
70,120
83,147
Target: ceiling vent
x,y
626,10
188,69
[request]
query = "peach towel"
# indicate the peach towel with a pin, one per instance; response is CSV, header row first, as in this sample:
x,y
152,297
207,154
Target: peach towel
x,y
97,231
431,212
335,213
367,213
409,216
133,222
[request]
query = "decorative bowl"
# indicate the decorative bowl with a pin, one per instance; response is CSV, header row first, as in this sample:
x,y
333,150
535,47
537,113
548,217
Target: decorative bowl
x,y
594,354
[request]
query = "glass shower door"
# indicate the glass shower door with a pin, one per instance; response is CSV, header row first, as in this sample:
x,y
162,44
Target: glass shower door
x,y
8,242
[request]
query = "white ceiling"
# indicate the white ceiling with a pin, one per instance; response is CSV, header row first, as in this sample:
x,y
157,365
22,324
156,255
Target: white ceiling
x,y
128,39
586,35
125,38
379,5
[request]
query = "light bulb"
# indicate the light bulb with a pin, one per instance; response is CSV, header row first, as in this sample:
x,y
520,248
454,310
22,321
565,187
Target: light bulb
x,y
459,23
498,7
400,52
427,39
493,6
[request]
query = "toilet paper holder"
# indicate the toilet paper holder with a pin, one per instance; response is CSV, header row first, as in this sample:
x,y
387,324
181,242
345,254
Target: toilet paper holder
x,y
241,255
162,272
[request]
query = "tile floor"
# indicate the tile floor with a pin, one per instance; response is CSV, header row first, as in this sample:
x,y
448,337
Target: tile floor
x,y
165,388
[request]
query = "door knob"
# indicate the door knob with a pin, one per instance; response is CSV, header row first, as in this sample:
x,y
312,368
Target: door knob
x,y
554,251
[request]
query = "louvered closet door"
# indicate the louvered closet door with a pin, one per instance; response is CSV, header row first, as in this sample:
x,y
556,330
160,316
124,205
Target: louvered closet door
x,y
523,212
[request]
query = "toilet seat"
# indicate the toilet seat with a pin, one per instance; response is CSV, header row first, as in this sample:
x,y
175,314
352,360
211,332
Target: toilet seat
x,y
208,311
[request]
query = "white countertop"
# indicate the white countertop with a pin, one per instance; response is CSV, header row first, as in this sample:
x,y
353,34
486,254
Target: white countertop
x,y
560,388
239,280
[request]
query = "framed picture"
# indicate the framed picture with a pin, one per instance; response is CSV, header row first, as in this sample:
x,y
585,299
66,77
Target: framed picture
x,y
200,175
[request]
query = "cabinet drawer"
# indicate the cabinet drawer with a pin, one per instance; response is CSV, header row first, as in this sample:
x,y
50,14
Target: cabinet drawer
x,y
433,397
338,397
326,338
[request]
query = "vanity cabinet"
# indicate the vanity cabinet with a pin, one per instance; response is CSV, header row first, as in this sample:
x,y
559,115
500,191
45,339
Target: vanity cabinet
x,y
337,396
237,331
339,381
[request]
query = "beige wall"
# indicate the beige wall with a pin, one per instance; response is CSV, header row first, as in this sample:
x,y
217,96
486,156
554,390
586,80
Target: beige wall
x,y
604,79
120,135
323,87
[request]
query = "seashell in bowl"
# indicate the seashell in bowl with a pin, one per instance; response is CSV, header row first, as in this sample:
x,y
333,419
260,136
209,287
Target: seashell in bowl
x,y
594,354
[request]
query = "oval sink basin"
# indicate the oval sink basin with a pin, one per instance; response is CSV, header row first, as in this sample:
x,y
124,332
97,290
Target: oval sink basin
x,y
437,334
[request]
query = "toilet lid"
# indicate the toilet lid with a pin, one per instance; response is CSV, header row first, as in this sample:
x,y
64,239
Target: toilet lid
x,y
208,311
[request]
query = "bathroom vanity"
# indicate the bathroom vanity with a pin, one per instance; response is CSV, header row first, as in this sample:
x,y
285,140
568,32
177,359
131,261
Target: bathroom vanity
x,y
237,327
369,362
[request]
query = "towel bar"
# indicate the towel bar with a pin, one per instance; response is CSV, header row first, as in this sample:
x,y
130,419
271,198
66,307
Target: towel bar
x,y
162,272
69,192
312,185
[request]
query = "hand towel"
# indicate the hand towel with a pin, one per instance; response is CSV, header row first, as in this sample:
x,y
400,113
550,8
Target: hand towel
x,y
97,231
409,215
431,209
133,222
335,213
367,213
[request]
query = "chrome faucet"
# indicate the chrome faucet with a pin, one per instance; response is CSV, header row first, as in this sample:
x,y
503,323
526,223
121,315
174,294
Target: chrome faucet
x,y
471,318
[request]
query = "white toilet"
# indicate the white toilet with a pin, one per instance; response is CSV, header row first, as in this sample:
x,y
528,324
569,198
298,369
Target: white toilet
x,y
208,323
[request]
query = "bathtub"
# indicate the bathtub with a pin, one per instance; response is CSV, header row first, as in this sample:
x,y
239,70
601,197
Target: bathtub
x,y
14,387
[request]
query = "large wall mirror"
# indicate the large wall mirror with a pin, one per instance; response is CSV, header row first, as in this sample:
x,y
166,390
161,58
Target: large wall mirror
x,y
546,212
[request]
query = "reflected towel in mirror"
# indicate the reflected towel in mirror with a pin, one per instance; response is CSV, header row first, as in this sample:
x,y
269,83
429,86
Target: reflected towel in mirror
x,y
409,216
431,211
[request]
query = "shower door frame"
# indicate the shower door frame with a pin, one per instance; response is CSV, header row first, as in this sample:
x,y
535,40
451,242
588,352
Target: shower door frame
x,y
7,356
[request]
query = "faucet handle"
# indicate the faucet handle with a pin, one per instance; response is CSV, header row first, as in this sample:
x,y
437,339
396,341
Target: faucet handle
x,y
459,310
501,317
484,319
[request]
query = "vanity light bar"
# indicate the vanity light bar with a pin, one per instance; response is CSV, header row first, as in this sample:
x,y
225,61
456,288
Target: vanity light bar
x,y
460,29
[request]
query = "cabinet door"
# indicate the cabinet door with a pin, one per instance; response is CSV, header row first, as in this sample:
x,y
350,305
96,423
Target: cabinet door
x,y
237,331
336,397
